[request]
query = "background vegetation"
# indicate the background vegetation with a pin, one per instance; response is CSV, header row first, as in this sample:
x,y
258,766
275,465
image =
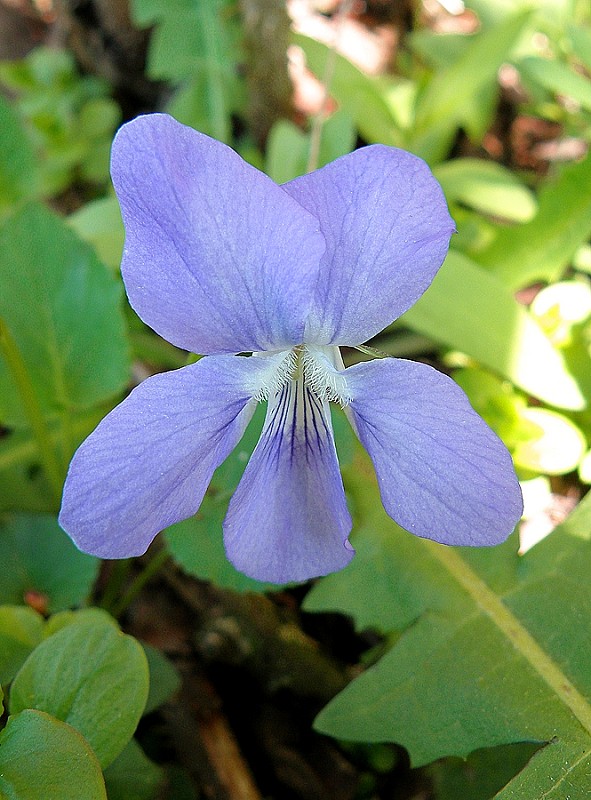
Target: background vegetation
x,y
419,671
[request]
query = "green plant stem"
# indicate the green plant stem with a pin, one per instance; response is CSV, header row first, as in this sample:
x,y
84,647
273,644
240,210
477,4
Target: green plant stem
x,y
318,121
26,390
154,566
115,582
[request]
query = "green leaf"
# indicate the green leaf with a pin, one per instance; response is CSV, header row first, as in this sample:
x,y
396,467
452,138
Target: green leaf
x,y
496,401
41,757
558,78
487,187
196,39
489,648
63,310
481,775
585,468
18,168
164,678
361,96
197,543
436,50
337,137
288,147
36,555
452,93
556,446
580,41
99,223
541,779
561,308
23,485
132,776
469,310
21,630
543,248
92,615
287,151
91,676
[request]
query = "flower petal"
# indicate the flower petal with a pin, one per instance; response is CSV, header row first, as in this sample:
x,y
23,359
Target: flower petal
x,y
217,258
288,519
387,230
149,462
443,474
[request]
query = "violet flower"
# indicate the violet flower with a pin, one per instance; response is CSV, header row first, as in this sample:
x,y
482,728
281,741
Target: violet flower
x,y
221,261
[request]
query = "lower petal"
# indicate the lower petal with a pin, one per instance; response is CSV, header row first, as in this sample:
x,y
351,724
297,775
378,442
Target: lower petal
x,y
288,519
148,464
443,474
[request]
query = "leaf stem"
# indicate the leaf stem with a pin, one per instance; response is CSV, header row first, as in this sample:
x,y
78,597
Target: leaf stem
x,y
32,408
153,566
115,582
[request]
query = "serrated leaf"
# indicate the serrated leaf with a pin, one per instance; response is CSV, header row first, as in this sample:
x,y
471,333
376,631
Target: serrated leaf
x,y
487,187
481,775
41,757
91,676
194,39
36,555
468,309
543,248
62,307
491,651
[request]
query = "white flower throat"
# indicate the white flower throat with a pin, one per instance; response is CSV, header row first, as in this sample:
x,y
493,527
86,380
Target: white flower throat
x,y
298,385
305,370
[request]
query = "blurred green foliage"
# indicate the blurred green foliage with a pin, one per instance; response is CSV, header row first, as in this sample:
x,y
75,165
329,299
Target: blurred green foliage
x,y
486,649
69,119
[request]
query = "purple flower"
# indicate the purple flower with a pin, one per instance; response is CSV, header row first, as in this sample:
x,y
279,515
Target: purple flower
x,y
221,261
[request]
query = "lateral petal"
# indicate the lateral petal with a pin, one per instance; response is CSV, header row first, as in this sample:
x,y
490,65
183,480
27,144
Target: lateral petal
x,y
217,258
149,462
288,519
387,231
443,474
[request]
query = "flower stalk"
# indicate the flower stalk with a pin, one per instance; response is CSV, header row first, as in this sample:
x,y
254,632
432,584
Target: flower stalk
x,y
32,409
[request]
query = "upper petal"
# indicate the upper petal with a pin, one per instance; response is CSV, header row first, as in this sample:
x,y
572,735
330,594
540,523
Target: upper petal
x,y
443,474
288,519
387,230
149,462
217,257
